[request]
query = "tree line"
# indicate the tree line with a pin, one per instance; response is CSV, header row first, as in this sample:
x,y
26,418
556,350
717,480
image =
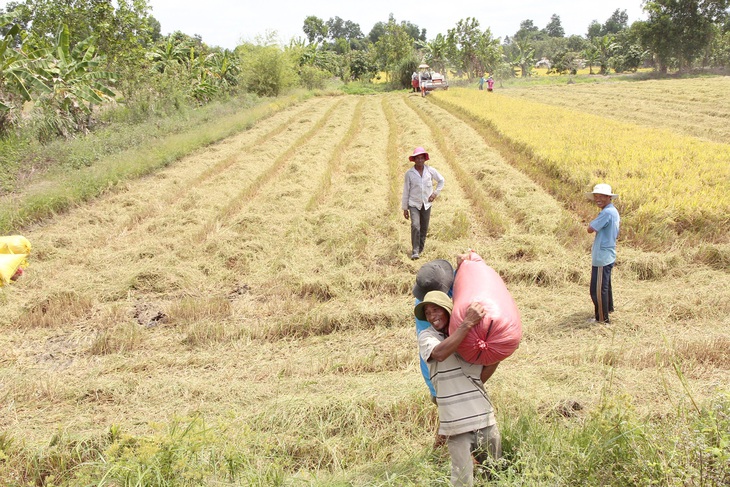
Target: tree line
x,y
60,61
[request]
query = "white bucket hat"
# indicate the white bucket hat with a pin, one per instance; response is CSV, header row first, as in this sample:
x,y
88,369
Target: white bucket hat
x,y
603,189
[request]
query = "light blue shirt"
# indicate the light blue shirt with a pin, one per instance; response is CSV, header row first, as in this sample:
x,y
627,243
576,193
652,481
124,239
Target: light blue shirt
x,y
606,226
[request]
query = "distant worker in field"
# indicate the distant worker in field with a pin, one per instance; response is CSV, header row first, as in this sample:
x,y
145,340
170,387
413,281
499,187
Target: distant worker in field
x,y
418,195
490,83
466,415
603,254
481,82
422,78
414,82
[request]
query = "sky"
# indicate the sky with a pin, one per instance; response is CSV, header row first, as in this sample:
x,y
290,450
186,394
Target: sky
x,y
226,23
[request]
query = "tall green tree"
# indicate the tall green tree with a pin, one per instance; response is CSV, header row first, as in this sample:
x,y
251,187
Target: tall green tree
x,y
122,28
528,31
618,21
471,50
594,30
680,30
315,29
338,28
416,33
554,28
720,48
627,52
393,47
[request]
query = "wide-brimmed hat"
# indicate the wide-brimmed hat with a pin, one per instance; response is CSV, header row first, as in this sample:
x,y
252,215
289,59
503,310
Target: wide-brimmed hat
x,y
418,151
603,189
433,297
437,275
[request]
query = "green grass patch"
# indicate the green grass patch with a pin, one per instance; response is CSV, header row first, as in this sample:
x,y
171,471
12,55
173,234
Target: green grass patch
x,y
340,444
63,188
361,88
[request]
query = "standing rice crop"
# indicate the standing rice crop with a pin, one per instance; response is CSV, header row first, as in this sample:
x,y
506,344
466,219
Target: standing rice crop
x,y
671,186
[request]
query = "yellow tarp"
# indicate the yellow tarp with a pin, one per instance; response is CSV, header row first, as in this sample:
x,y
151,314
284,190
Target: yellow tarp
x,y
14,244
14,250
9,264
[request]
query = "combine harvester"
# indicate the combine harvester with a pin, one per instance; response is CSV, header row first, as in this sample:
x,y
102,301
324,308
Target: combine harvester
x,y
429,80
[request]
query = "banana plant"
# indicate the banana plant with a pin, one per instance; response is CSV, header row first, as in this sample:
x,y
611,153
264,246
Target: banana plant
x,y
213,73
16,79
11,68
223,66
435,52
172,51
73,82
524,57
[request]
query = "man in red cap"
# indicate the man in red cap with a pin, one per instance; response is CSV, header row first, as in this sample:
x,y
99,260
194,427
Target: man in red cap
x,y
418,194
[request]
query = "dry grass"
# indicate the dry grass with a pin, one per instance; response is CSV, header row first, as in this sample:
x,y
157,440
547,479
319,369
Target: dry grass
x,y
291,330
56,310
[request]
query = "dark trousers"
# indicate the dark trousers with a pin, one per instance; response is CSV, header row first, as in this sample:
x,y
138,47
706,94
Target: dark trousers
x,y
420,219
601,292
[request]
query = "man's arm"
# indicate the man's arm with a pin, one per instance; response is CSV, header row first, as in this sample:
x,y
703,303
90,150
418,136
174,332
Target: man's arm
x,y
440,181
443,350
487,371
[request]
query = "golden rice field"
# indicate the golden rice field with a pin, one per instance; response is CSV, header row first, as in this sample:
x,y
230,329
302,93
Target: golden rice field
x,y
672,186
243,316
697,107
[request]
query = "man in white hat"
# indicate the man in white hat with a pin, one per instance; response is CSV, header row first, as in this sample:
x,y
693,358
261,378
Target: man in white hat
x,y
603,253
418,195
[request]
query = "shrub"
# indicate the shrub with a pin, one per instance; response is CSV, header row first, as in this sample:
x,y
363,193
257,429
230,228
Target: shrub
x,y
313,78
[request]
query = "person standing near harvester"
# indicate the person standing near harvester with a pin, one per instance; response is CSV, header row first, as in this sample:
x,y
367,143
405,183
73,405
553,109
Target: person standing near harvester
x,y
418,195
603,254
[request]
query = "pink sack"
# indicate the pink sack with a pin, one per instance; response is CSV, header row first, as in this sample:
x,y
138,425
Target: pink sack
x,y
498,335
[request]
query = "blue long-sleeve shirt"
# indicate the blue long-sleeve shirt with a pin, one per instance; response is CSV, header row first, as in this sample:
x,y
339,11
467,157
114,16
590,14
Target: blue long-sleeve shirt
x,y
606,226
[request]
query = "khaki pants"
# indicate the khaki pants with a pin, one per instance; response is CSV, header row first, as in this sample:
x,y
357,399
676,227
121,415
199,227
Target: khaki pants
x,y
483,444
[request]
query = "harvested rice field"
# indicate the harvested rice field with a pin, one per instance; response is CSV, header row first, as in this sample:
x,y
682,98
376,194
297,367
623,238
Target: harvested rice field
x,y
246,311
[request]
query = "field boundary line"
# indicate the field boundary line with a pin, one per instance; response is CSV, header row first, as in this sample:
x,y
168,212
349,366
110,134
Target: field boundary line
x,y
523,158
211,171
326,179
490,218
392,155
250,191
73,189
